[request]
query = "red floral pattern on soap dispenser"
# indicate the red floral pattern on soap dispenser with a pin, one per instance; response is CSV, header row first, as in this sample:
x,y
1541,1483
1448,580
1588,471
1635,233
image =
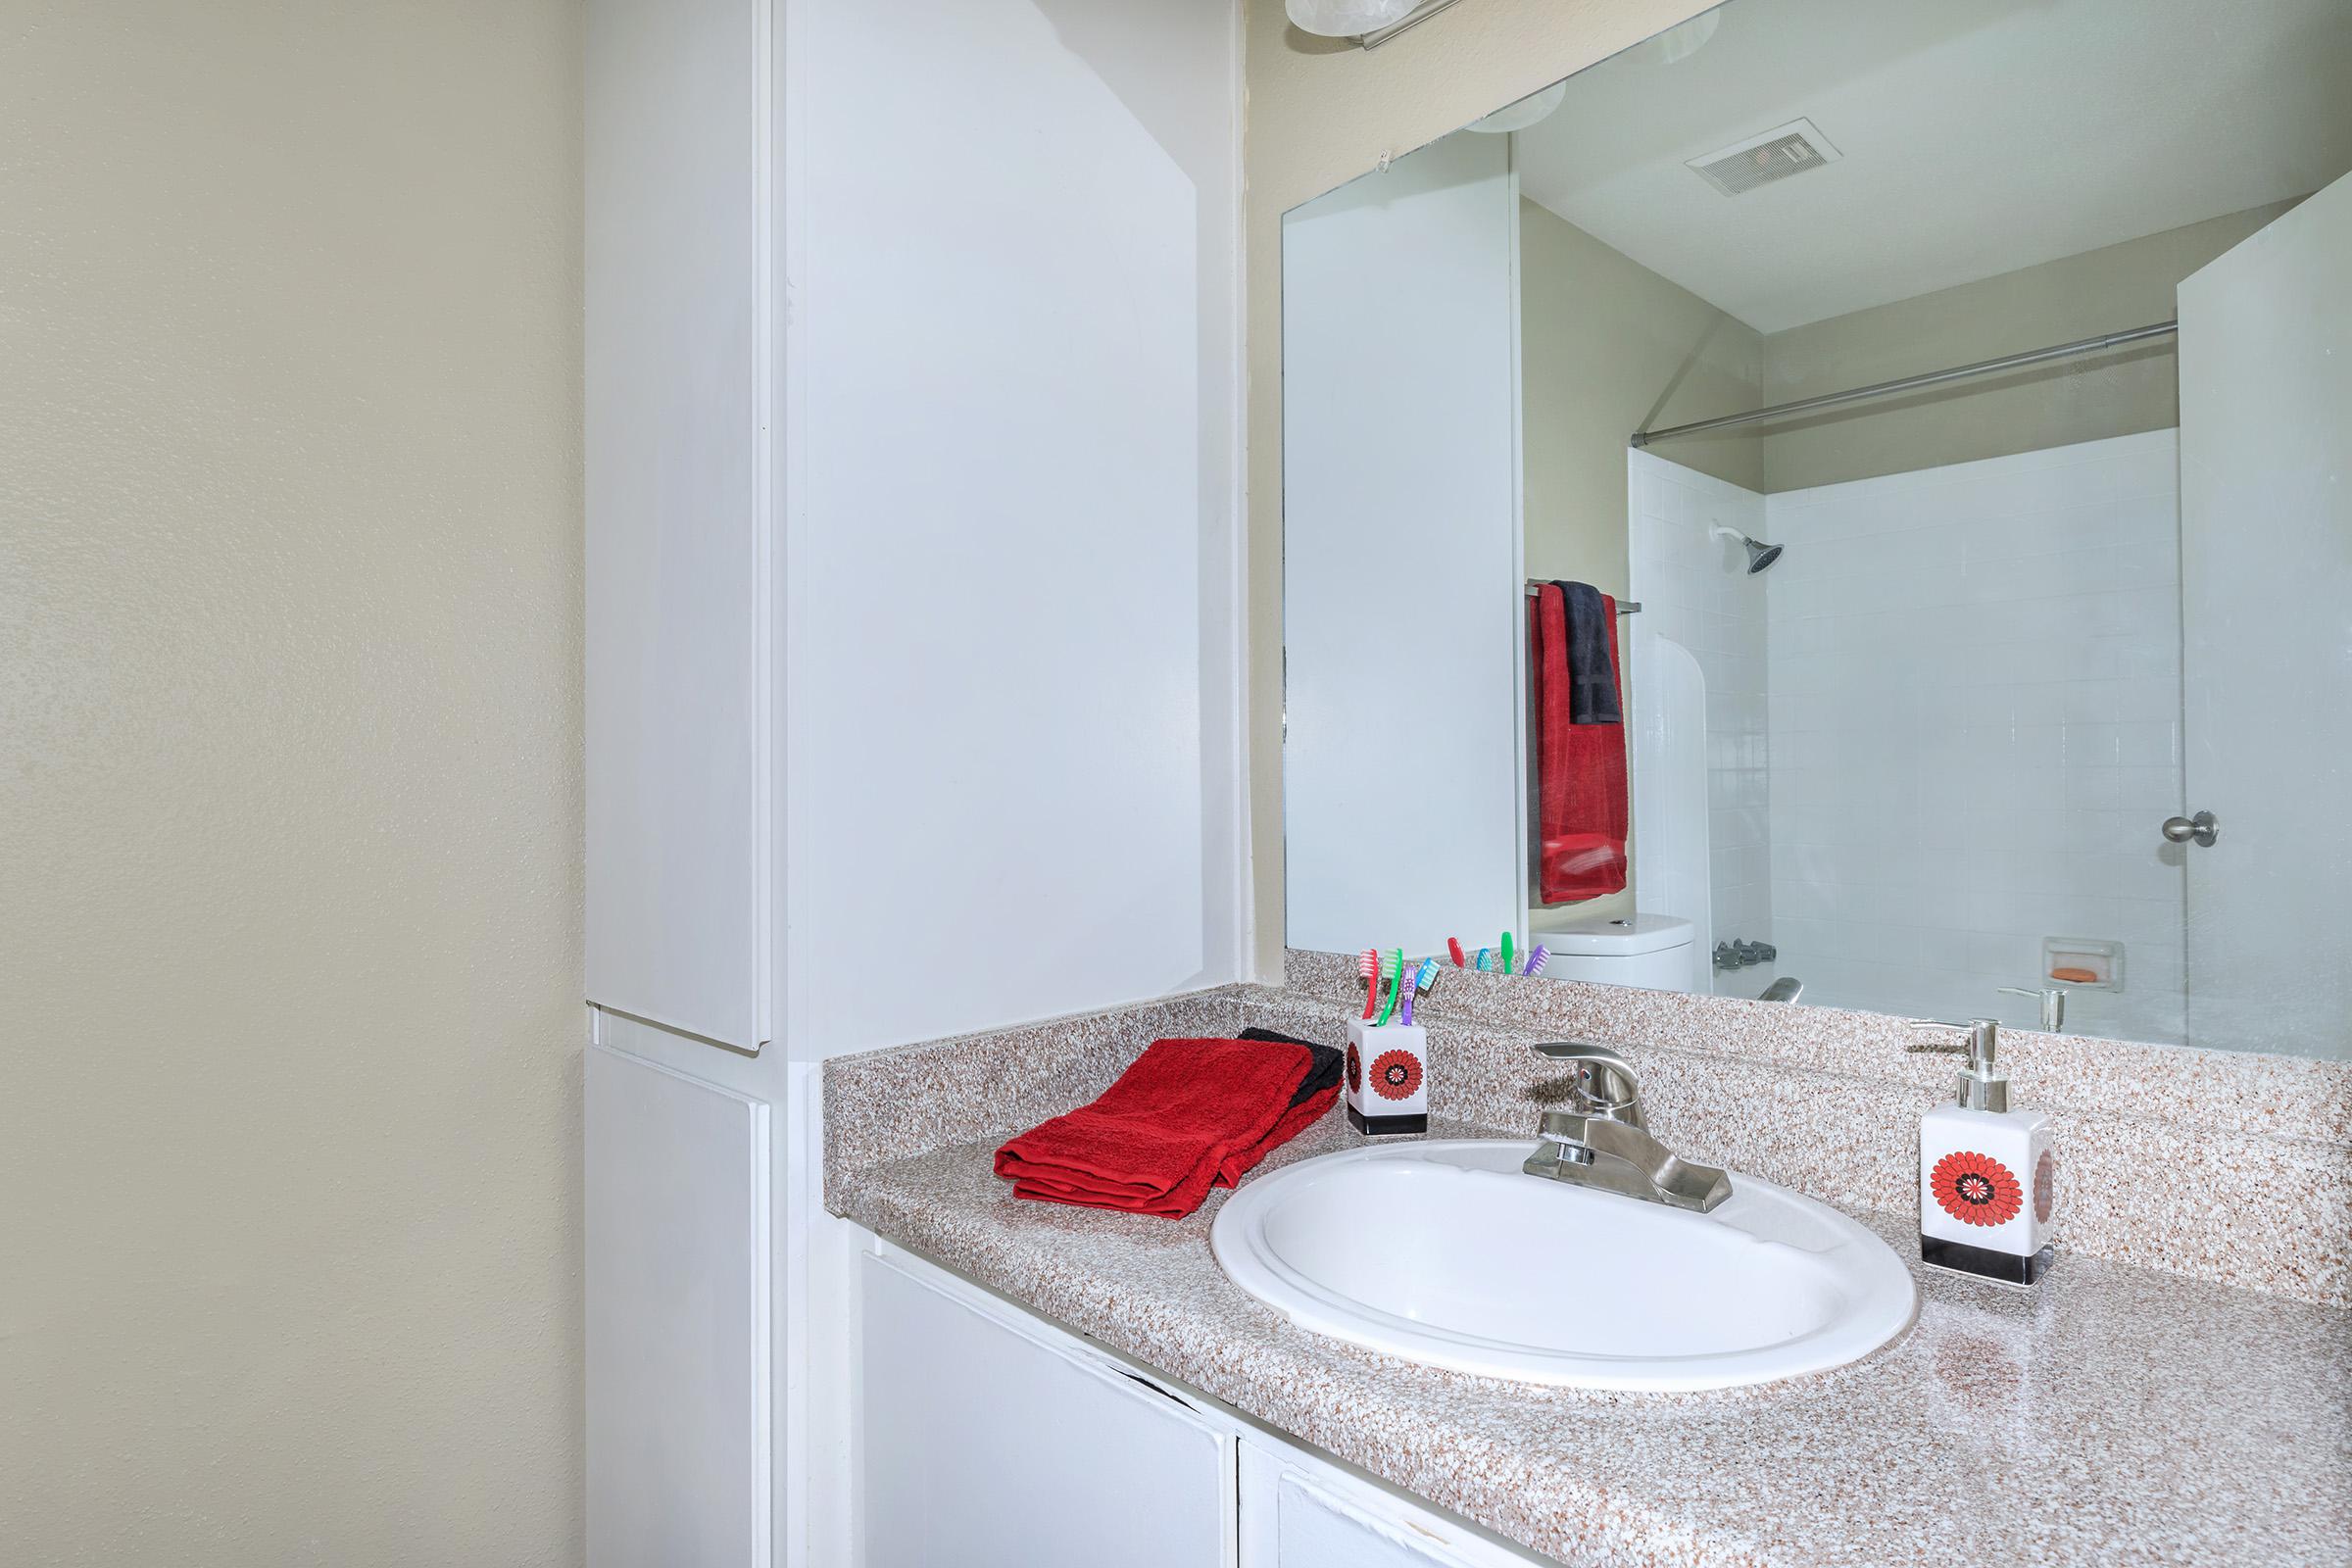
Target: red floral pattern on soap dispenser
x,y
2046,1186
1355,1072
1975,1188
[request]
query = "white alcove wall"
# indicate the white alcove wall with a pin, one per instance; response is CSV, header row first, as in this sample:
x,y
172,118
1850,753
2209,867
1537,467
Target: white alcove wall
x,y
1403,620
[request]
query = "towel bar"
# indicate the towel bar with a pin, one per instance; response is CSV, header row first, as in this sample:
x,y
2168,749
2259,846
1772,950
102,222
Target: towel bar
x,y
1625,606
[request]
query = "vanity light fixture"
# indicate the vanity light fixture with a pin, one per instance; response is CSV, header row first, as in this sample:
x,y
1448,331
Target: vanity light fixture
x,y
1370,22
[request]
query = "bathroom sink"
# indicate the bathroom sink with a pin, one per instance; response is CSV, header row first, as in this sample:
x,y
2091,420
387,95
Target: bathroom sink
x,y
1446,1253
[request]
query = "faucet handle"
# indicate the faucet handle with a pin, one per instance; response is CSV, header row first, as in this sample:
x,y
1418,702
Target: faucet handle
x,y
1605,1078
1584,1051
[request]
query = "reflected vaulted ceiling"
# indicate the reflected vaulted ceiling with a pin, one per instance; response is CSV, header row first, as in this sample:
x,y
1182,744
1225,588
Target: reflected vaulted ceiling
x,y
1976,138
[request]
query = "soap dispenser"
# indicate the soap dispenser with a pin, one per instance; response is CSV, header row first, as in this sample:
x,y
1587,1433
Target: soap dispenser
x,y
1987,1179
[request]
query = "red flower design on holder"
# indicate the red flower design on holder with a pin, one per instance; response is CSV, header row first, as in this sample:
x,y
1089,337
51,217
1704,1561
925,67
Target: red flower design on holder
x,y
2046,1186
1355,1071
1396,1074
1975,1188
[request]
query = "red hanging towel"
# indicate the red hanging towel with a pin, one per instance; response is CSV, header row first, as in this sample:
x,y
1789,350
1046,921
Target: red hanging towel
x,y
1187,1114
1582,808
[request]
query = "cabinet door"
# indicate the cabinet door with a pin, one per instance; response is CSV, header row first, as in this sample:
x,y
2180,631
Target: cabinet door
x,y
1297,1512
984,1446
678,604
678,1318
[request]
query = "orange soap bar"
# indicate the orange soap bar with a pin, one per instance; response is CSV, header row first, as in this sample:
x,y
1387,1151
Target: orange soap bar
x,y
2079,977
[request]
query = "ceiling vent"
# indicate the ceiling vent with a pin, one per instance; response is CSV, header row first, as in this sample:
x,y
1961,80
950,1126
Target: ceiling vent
x,y
1777,154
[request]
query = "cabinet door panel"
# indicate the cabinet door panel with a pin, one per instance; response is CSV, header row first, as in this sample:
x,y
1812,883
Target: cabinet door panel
x,y
1298,1511
1317,1531
984,1447
678,1318
677,603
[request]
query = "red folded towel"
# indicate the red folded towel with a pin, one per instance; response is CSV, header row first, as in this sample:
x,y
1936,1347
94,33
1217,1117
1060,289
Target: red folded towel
x,y
1295,1120
1582,808
1187,1115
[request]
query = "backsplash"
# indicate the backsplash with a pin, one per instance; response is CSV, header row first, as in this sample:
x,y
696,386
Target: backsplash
x,y
2219,1166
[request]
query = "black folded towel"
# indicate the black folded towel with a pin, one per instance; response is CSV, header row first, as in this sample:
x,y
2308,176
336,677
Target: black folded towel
x,y
1592,675
1320,1075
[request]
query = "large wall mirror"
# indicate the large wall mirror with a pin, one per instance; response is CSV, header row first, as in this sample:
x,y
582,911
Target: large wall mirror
x,y
1849,500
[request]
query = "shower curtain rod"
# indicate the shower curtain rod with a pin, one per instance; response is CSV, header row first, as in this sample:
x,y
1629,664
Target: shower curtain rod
x,y
1831,399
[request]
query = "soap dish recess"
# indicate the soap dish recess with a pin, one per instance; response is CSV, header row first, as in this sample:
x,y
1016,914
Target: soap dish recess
x,y
2064,960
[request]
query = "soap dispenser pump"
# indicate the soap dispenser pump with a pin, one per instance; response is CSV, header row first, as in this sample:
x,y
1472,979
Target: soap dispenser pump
x,y
1987,1178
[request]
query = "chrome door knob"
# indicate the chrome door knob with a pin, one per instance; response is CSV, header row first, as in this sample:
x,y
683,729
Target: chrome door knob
x,y
2201,829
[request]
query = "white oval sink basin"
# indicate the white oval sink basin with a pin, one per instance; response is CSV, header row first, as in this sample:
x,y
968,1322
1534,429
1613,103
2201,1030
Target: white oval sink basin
x,y
1448,1254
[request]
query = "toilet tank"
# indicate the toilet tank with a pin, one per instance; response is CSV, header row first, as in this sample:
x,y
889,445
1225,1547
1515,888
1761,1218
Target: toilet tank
x,y
1655,951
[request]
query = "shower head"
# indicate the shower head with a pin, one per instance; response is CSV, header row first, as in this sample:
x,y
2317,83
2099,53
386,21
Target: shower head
x,y
1759,554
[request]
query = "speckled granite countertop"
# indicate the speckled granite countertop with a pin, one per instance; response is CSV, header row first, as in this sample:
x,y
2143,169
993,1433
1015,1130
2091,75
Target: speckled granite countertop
x,y
2119,1416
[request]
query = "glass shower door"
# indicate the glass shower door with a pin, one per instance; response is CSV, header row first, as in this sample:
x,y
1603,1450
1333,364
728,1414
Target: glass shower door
x,y
2265,575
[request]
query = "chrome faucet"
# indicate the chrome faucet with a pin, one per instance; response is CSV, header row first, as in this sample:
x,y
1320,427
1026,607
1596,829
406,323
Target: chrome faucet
x,y
2053,1005
1603,1144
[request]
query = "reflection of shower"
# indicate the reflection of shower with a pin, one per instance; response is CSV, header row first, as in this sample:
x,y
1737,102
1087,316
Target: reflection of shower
x,y
1759,555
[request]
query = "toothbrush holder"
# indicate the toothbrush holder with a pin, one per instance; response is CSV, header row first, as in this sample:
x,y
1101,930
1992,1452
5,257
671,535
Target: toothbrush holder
x,y
1387,1077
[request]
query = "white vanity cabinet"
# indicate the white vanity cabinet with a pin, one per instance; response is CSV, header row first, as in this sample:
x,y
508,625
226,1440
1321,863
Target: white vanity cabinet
x,y
1302,1511
988,1438
987,1442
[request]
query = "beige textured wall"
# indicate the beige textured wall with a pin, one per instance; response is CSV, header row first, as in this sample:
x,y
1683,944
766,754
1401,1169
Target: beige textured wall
x,y
1321,112
2121,392
1609,347
289,782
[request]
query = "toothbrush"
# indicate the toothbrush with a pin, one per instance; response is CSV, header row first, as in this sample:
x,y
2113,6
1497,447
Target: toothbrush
x,y
1486,961
1454,944
1536,957
1507,964
1422,977
1396,979
1367,964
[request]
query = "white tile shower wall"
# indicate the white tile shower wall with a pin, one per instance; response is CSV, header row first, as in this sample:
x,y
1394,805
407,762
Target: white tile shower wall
x,y
1975,731
1693,589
